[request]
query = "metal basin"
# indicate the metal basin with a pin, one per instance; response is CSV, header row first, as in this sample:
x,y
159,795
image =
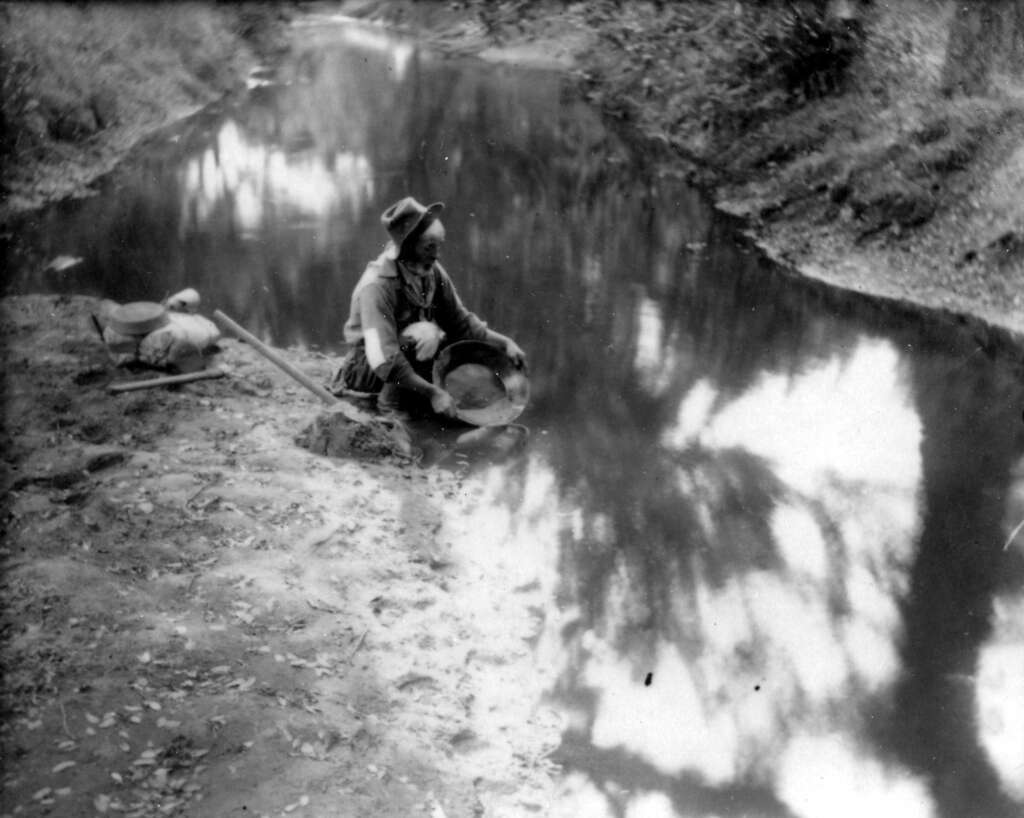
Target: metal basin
x,y
487,387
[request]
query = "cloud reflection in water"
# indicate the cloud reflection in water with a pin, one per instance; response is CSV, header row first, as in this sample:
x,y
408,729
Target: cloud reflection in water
x,y
852,418
999,694
769,661
830,776
244,177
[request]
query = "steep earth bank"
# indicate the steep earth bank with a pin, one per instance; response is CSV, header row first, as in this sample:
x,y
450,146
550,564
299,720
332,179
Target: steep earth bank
x,y
841,152
84,82
850,163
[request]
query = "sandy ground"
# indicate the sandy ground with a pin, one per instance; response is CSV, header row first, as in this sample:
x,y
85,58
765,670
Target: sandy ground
x,y
204,619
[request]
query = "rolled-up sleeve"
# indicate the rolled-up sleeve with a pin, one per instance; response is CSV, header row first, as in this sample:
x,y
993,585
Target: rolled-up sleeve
x,y
452,316
380,329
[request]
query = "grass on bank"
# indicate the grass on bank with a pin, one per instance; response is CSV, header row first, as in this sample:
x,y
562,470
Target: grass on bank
x,y
838,119
70,71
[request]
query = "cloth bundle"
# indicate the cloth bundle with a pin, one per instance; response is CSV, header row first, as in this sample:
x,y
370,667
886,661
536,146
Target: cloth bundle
x,y
179,344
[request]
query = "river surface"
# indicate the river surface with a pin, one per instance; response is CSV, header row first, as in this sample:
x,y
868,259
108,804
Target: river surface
x,y
771,527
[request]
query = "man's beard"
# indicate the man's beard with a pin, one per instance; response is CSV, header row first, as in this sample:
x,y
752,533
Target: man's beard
x,y
418,268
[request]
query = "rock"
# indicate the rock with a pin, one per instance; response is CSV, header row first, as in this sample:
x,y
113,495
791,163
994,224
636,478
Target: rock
x,y
1003,251
57,480
71,468
839,191
931,131
89,376
36,124
947,156
74,124
101,458
880,201
104,107
1009,245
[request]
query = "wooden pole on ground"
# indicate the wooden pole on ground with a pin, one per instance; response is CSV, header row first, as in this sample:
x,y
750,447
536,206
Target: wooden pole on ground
x,y
242,334
166,380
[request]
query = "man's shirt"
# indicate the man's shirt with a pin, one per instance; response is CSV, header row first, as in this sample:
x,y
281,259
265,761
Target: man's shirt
x,y
386,300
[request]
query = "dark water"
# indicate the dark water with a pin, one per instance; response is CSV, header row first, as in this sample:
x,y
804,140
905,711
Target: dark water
x,y
768,525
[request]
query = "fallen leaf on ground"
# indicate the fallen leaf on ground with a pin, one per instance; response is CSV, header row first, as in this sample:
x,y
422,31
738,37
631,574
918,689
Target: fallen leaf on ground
x,y
318,604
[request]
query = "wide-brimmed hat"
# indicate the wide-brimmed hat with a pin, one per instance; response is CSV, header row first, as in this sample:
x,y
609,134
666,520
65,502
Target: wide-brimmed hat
x,y
404,216
137,318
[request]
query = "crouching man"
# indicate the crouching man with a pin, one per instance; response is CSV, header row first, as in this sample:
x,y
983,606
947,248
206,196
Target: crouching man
x,y
404,307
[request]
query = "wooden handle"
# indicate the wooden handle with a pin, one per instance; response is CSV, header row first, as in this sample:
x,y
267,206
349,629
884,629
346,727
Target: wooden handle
x,y
234,329
166,380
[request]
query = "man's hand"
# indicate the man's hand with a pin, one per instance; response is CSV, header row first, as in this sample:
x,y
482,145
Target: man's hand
x,y
512,349
515,352
427,335
442,403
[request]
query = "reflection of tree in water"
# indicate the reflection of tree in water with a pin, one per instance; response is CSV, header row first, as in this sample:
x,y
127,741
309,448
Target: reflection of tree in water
x,y
624,774
973,440
715,325
663,524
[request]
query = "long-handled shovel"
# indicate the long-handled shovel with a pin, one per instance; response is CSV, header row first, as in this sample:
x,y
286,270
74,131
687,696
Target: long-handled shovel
x,y
239,332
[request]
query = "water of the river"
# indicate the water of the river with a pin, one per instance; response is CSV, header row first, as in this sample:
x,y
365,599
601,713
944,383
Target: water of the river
x,y
771,523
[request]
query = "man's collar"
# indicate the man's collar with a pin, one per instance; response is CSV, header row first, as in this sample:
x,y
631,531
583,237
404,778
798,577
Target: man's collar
x,y
388,267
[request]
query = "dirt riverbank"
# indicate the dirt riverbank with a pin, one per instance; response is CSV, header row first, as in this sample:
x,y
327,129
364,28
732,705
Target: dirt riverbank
x,y
202,618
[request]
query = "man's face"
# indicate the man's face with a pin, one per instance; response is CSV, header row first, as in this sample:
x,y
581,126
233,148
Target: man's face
x,y
427,248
